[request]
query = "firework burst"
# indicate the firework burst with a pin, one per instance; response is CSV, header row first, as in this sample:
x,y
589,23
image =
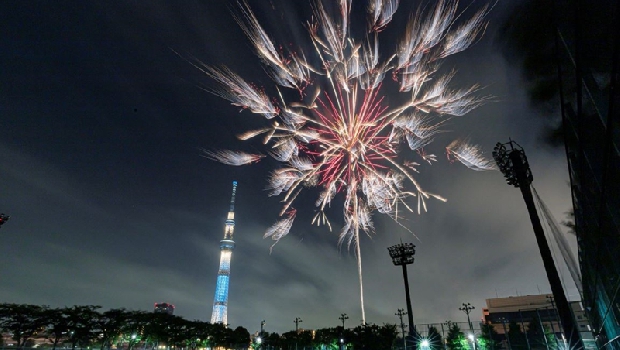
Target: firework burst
x,y
340,134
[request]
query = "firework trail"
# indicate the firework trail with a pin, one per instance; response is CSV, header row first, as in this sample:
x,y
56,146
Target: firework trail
x,y
338,133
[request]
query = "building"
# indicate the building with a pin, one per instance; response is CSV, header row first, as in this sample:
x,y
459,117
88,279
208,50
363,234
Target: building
x,y
522,310
587,45
164,308
220,301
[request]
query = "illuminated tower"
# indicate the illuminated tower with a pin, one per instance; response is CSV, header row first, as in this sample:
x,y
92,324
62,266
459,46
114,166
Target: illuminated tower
x,y
220,301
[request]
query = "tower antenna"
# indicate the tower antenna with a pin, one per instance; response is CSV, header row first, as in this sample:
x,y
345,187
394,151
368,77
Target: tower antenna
x,y
227,245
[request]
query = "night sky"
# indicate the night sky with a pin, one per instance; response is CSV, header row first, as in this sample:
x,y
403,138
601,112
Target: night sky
x,y
112,204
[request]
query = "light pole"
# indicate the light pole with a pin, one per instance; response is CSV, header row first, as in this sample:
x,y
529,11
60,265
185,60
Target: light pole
x,y
400,315
512,162
467,309
259,340
297,322
342,318
402,255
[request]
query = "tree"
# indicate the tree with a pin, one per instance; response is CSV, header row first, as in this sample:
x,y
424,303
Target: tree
x,y
219,335
272,341
81,324
456,338
489,339
132,329
22,321
327,337
372,336
517,337
529,36
110,323
57,328
540,336
434,338
241,338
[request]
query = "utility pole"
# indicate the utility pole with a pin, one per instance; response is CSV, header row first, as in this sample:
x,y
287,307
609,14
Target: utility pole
x,y
512,162
342,318
297,322
443,335
467,309
400,315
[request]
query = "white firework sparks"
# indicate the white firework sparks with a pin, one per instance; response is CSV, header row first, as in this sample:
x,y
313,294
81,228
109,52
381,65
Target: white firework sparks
x,y
339,134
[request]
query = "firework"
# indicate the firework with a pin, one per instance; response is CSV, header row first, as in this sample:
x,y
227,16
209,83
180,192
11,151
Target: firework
x,y
338,133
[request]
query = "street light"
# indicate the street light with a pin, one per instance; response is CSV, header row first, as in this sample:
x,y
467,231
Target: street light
x,y
402,255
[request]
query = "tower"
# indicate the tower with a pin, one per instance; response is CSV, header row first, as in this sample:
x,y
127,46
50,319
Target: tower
x,y
220,301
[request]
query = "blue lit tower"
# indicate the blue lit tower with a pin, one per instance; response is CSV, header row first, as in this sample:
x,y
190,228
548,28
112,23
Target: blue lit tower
x,y
220,301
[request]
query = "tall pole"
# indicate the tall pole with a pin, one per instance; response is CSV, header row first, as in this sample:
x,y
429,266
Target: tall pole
x,y
400,315
260,335
297,322
402,254
467,307
342,318
544,331
513,163
409,308
443,335
527,339
506,333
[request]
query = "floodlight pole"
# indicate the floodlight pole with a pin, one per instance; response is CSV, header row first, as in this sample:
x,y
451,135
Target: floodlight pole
x,y
512,162
402,254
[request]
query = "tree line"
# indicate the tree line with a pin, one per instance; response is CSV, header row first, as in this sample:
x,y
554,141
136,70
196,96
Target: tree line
x,y
86,326
534,336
